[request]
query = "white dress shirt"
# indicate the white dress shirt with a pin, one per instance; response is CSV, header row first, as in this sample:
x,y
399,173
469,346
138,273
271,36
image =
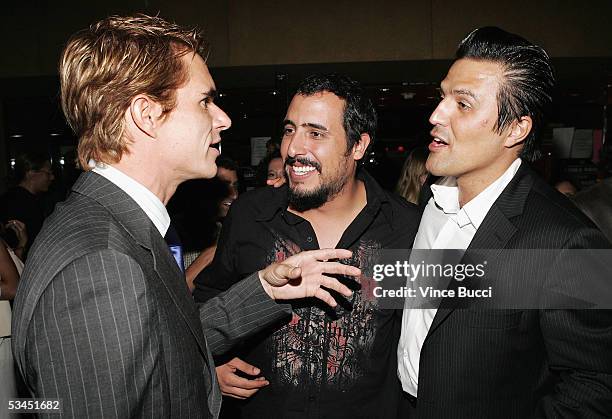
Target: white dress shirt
x,y
444,225
147,200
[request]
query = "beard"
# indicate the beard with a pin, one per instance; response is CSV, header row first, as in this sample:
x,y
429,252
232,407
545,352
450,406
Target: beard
x,y
301,201
304,201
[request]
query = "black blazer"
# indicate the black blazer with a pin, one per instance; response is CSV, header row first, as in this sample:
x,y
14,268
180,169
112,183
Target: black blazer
x,y
103,319
520,363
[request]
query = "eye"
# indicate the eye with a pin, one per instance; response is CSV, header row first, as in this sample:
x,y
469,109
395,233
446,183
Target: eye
x,y
206,101
271,175
463,106
316,134
288,130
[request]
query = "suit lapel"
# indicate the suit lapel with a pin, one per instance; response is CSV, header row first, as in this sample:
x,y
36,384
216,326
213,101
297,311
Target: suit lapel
x,y
173,279
494,232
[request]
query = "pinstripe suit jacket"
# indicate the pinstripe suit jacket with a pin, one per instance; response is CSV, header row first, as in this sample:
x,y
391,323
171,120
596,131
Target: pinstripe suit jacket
x,y
104,321
520,363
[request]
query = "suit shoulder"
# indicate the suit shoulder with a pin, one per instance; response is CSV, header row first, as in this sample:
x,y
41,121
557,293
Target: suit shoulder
x,y
556,207
78,226
78,217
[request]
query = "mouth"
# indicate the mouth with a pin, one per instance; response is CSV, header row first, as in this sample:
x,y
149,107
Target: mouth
x,y
300,168
437,143
216,144
302,171
227,203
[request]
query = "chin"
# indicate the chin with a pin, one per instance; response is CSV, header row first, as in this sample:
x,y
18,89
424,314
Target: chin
x,y
209,171
437,169
205,174
300,188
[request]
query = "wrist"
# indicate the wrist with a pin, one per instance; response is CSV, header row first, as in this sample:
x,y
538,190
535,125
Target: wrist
x,y
265,285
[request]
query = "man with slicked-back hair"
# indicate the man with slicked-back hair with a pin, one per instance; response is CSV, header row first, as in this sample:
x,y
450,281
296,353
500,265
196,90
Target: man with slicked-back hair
x,y
511,359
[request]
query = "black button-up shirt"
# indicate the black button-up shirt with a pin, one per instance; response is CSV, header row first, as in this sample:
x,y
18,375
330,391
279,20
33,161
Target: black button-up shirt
x,y
322,362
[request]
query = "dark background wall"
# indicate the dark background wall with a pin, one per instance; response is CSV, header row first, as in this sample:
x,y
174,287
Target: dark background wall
x,y
261,48
263,32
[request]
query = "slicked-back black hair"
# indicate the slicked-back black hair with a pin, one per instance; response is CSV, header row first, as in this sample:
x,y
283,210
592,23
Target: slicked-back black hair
x,y
528,78
359,113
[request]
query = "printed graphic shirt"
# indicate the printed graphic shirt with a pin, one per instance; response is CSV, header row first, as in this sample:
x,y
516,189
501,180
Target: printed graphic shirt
x,y
322,362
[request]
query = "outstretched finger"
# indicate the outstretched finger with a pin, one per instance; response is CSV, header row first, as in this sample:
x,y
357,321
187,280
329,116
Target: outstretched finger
x,y
340,269
334,284
325,296
327,254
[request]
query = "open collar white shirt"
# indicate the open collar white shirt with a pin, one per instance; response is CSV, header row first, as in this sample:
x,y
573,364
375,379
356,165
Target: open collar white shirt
x,y
147,200
444,225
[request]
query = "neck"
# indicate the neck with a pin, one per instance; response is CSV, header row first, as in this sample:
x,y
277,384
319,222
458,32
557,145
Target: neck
x,y
471,185
155,180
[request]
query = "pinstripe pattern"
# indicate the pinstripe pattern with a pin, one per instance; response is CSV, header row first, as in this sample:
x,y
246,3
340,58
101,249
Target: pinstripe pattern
x,y
104,321
512,363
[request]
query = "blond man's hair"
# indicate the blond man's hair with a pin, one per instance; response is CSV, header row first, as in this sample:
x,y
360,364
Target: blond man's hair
x,y
104,67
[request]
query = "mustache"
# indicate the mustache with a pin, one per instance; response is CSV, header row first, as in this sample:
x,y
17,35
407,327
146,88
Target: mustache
x,y
290,161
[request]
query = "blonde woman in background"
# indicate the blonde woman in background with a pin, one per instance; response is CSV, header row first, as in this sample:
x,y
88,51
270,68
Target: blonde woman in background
x,y
413,175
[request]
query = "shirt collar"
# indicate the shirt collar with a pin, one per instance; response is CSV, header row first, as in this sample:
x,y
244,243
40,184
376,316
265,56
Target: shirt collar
x,y
446,197
376,199
147,200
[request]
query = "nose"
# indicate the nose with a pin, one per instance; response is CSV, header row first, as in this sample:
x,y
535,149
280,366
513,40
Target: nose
x,y
220,119
438,116
233,192
296,144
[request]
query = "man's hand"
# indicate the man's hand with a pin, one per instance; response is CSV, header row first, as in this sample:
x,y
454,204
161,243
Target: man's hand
x,y
233,385
303,275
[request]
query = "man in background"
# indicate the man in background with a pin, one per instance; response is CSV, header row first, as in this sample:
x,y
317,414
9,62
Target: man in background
x,y
33,175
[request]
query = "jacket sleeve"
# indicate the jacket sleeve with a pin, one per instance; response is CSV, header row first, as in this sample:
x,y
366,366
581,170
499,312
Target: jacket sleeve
x,y
238,313
93,340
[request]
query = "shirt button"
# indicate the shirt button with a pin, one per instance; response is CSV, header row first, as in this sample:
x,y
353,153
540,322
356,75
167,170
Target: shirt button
x,y
309,239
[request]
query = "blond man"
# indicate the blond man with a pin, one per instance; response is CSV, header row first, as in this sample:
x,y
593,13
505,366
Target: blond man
x,y
103,319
